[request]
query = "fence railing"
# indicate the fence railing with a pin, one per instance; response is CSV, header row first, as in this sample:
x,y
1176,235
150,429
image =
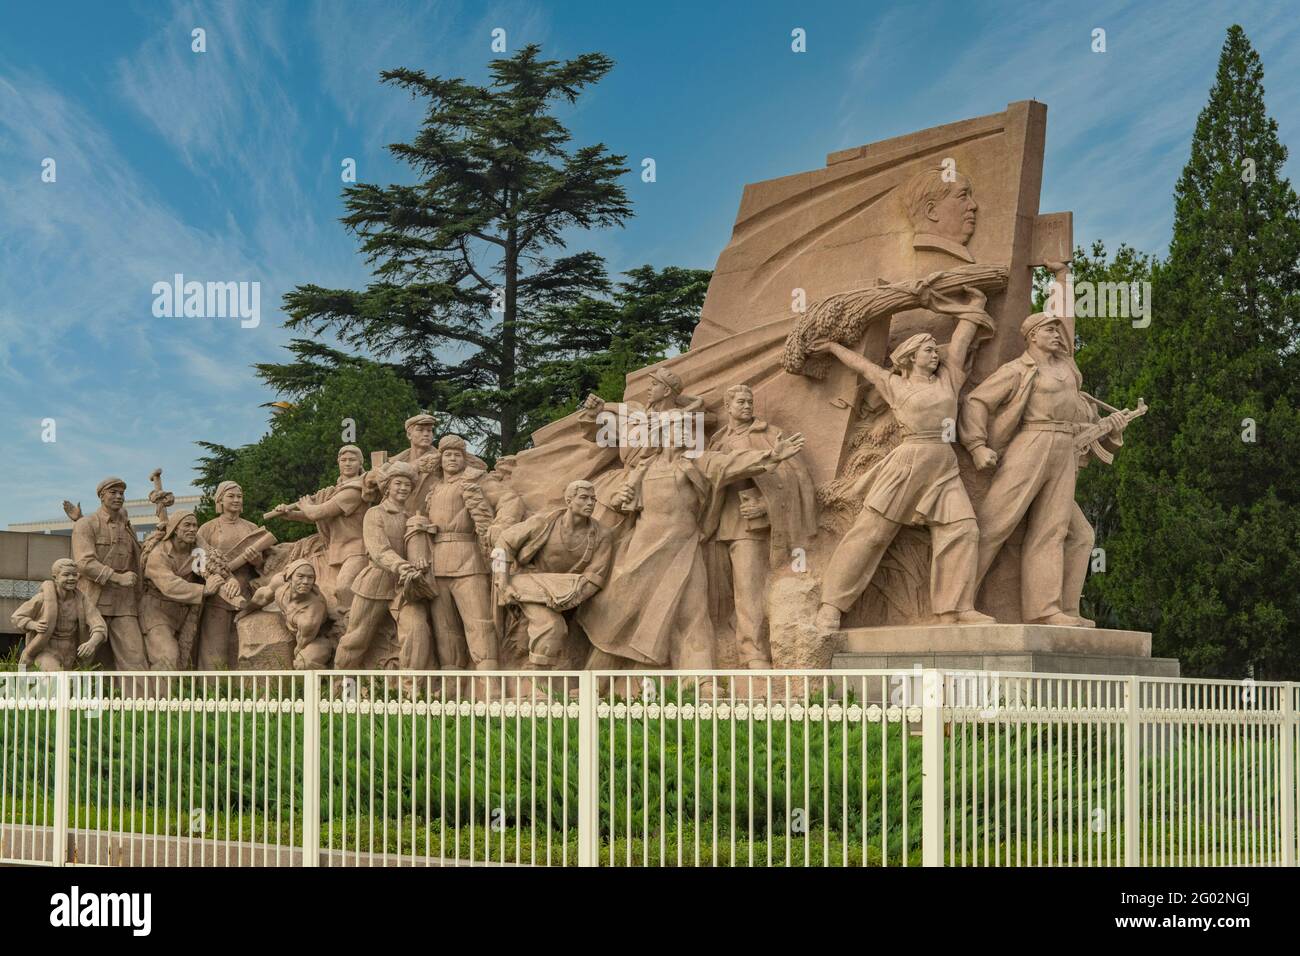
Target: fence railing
x,y
641,768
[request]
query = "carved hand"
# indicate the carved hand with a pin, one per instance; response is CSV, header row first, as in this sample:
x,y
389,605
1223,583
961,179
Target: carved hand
x,y
211,585
40,627
230,589
252,555
787,446
85,651
125,579
625,494
985,458
593,402
753,509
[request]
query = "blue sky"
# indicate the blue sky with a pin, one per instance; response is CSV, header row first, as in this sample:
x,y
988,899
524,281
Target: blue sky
x,y
225,165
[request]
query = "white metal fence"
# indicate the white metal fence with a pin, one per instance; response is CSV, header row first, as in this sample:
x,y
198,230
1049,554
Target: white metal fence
x,y
638,768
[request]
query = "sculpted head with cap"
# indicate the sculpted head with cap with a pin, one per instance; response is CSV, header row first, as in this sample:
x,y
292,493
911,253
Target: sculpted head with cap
x,y
350,461
1044,335
112,494
419,431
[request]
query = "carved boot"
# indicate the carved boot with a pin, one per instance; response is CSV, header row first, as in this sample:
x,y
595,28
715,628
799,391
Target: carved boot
x,y
828,618
1058,620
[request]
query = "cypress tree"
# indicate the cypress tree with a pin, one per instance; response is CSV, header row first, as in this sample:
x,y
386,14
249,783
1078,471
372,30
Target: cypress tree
x,y
1207,549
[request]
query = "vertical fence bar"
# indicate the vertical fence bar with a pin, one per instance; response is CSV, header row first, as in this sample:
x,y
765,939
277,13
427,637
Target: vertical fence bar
x,y
588,754
1287,785
311,769
62,716
1131,760
931,769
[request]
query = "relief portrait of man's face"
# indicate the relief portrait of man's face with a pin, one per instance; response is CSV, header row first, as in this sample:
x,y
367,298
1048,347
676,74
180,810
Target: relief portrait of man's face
x,y
953,216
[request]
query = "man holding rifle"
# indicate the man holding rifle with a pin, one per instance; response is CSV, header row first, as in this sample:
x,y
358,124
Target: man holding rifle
x,y
1032,421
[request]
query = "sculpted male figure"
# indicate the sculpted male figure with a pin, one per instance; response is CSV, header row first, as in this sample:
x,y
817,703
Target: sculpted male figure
x,y
421,455
173,594
295,596
460,515
223,541
760,519
61,622
390,584
1023,420
550,563
108,556
338,512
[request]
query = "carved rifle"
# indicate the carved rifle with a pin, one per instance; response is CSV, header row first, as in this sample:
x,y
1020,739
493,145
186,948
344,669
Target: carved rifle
x,y
1089,440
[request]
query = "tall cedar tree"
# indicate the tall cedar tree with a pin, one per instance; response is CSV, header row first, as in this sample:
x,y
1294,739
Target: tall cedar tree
x,y
1207,549
465,258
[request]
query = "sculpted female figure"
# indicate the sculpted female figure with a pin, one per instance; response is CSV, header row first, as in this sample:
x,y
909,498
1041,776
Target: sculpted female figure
x,y
666,397
917,482
338,512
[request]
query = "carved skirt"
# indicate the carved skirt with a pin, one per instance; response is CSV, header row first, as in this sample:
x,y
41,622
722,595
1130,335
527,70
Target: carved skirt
x,y
918,483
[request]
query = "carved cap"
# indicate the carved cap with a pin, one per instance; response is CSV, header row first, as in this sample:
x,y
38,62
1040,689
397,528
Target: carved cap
x,y
454,442
424,418
670,380
109,483
1037,320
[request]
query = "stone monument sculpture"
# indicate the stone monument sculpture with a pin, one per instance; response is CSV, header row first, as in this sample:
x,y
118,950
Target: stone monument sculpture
x,y
391,585
421,454
60,621
547,565
107,554
873,310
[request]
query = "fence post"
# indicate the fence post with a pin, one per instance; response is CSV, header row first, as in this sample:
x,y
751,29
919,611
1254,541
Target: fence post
x,y
311,769
1131,760
62,738
1287,693
588,749
931,768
